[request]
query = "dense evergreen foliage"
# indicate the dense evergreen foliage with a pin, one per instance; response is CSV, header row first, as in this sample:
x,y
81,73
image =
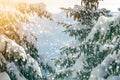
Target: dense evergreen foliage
x,y
96,34
19,55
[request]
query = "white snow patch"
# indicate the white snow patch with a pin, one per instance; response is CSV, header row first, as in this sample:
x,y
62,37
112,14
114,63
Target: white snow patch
x,y
11,67
12,47
4,76
34,64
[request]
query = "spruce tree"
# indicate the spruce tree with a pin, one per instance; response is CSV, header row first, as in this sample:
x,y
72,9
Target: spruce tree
x,y
19,58
94,54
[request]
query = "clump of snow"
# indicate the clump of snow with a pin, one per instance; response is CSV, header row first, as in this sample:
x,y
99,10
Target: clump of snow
x,y
102,25
31,62
114,77
101,70
13,70
17,50
106,46
79,64
12,48
4,76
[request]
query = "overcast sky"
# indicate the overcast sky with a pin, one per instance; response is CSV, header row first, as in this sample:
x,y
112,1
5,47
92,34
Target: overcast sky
x,y
54,5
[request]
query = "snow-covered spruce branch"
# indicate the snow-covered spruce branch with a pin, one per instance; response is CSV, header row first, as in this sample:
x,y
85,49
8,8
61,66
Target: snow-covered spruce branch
x,y
12,48
102,25
15,51
101,70
11,69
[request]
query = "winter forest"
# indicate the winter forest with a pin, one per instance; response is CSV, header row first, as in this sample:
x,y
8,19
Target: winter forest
x,y
59,40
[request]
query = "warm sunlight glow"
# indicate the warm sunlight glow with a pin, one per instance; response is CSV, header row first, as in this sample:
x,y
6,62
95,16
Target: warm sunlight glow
x,y
9,13
7,3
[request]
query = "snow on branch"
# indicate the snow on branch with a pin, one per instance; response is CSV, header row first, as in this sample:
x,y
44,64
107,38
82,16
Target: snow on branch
x,y
15,51
101,70
102,25
31,62
14,72
11,69
12,48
